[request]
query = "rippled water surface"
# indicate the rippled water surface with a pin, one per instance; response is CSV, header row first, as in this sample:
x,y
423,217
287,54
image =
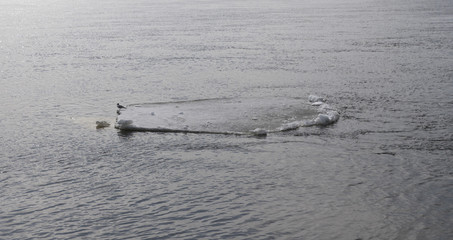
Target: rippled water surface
x,y
383,171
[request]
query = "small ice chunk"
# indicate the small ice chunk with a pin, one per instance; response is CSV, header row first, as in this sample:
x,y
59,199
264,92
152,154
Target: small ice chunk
x,y
334,116
317,103
314,98
290,126
259,132
322,119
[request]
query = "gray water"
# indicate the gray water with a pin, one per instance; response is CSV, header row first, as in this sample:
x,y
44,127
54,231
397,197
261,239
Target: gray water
x,y
383,171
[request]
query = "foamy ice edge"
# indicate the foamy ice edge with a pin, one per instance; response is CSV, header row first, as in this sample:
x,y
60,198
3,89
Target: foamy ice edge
x,y
327,115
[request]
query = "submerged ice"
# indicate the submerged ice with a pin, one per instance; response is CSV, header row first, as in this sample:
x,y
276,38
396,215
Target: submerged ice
x,y
227,116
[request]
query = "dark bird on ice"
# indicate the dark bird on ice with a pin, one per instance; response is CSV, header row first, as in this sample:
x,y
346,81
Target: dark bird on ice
x,y
120,106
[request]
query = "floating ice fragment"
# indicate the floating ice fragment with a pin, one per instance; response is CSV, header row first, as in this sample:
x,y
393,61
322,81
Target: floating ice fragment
x,y
289,126
259,132
314,98
317,103
236,116
323,119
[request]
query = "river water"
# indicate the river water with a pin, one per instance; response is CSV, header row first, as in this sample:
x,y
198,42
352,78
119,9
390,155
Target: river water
x,y
382,171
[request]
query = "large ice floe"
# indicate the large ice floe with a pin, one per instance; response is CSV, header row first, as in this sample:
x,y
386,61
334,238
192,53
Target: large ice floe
x,y
247,116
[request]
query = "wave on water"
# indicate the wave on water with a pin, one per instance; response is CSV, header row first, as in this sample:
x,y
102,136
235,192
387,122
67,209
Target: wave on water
x,y
255,117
